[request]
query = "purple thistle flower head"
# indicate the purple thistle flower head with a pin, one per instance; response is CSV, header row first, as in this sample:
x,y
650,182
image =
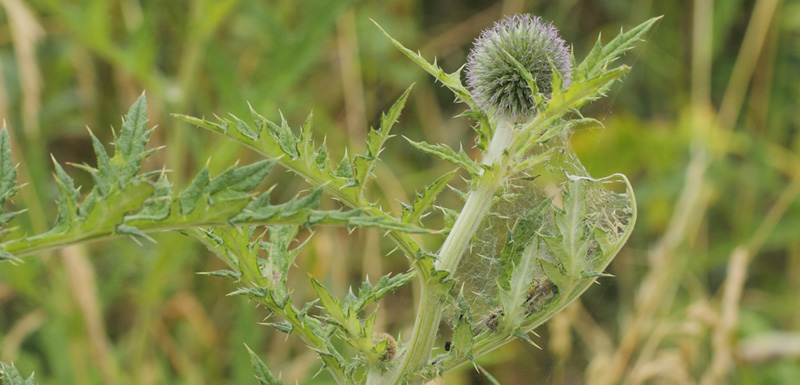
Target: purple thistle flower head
x,y
494,81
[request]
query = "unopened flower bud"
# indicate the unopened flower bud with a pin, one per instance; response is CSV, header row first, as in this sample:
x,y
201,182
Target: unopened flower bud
x,y
494,80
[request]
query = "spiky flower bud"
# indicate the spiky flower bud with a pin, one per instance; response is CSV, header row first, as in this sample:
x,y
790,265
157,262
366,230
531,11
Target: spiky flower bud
x,y
494,80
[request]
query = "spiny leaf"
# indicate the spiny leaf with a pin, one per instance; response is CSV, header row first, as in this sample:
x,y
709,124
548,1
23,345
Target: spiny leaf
x,y
462,332
425,199
368,293
330,303
235,182
345,169
263,375
6,256
378,137
556,275
309,201
306,145
244,128
223,273
192,195
518,242
583,92
8,173
105,173
444,152
524,336
513,297
601,56
488,376
451,81
482,128
134,232
570,224
157,207
9,375
321,158
67,199
365,164
132,141
282,134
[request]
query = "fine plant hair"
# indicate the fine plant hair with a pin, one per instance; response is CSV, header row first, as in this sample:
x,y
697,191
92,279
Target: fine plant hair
x,y
534,232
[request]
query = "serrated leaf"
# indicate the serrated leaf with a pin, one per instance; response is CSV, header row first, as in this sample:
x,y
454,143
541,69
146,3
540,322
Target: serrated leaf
x,y
571,226
365,164
263,375
424,200
321,157
450,217
524,336
309,201
133,231
223,273
8,173
9,375
369,293
132,141
157,206
482,128
513,297
6,256
595,61
583,92
345,169
237,181
306,145
451,80
104,175
282,134
384,223
556,275
521,240
192,195
488,376
244,128
67,198
283,327
462,332
330,303
444,152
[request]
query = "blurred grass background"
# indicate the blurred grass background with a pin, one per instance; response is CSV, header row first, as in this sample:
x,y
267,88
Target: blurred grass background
x,y
707,291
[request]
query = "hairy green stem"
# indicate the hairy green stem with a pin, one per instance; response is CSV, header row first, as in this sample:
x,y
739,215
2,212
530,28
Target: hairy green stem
x,y
432,301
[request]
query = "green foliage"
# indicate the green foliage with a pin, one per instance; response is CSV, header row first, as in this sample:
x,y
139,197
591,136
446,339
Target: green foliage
x,y
549,257
9,375
444,152
263,374
425,199
365,164
125,202
8,187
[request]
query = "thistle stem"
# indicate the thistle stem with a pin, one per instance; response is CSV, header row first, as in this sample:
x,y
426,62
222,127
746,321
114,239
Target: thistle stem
x,y
432,301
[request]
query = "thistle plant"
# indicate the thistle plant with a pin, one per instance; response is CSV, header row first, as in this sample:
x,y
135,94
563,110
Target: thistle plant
x,y
534,232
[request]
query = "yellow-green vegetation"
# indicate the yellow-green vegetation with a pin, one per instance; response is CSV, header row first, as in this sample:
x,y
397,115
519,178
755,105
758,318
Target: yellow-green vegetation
x,y
705,291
